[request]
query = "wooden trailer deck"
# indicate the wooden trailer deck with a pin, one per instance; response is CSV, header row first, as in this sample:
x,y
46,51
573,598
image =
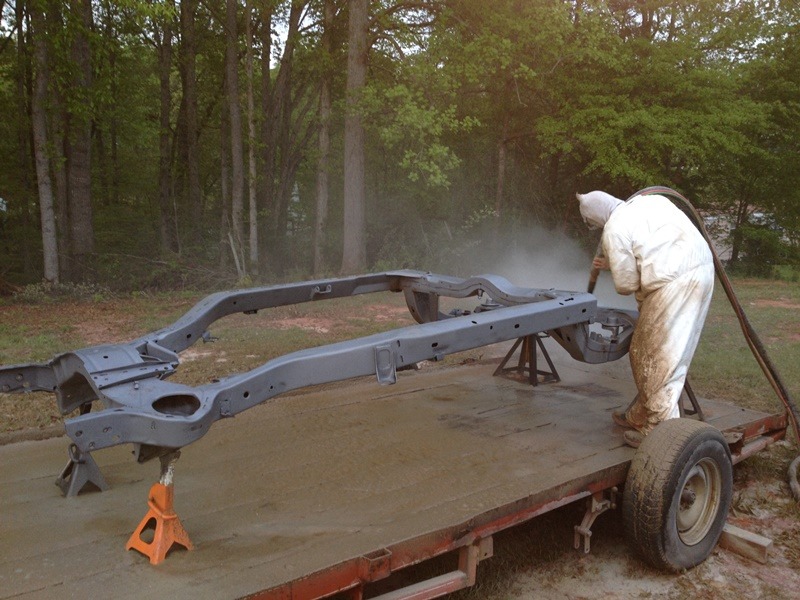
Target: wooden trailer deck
x,y
316,491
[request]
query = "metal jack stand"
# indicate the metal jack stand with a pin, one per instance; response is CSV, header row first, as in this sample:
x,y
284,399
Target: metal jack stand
x,y
161,517
597,505
527,361
80,471
695,410
686,394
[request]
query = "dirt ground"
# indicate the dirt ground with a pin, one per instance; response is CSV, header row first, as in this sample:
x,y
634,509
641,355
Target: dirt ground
x,y
610,571
536,560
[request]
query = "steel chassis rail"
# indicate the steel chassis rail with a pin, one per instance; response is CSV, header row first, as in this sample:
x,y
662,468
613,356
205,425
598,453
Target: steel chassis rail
x,y
158,416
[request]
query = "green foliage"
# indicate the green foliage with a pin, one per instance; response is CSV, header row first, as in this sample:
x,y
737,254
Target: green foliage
x,y
787,272
408,123
47,293
434,245
570,96
724,367
763,250
125,272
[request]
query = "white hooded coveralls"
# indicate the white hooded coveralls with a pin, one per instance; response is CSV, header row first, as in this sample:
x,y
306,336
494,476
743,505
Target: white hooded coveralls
x,y
655,252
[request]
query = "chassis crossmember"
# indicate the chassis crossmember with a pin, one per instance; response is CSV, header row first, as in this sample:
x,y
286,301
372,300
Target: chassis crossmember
x,y
139,405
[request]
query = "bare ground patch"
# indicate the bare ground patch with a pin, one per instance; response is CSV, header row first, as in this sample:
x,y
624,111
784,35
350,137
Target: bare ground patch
x,y
777,303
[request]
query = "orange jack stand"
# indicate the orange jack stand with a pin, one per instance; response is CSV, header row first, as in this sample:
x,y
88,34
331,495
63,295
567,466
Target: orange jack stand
x,y
162,518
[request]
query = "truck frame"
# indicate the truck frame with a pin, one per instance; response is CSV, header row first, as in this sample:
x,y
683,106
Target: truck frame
x,y
140,406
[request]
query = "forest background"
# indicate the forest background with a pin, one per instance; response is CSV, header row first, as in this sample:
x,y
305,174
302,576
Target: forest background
x,y
159,144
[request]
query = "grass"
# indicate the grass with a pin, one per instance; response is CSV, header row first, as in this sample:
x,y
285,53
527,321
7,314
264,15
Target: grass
x,y
723,365
23,344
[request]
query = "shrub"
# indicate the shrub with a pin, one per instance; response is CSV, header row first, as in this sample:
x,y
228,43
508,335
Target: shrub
x,y
46,292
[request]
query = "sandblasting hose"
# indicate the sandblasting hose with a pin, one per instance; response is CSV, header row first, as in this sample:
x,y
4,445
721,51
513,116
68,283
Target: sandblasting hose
x,y
595,272
750,335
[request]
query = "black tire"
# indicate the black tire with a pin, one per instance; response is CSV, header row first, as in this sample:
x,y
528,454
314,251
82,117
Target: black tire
x,y
677,494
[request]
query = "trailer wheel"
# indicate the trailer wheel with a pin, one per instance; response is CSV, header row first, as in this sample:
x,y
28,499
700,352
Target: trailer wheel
x,y
677,494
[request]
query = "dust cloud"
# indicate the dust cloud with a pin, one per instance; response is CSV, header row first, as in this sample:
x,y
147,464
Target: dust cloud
x,y
542,259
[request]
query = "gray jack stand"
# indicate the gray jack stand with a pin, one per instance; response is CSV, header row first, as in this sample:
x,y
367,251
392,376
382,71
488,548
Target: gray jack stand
x,y
80,471
527,361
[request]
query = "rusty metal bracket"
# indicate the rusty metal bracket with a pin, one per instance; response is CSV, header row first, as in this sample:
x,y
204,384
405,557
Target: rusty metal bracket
x,y
596,506
375,566
462,577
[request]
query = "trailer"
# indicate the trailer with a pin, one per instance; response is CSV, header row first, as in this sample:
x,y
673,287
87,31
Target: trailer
x,y
333,490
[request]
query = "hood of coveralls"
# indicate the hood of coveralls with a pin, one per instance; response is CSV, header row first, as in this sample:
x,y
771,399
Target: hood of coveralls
x,y
596,208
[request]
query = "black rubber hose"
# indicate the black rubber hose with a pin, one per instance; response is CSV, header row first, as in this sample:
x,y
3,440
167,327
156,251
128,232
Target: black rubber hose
x,y
595,272
750,335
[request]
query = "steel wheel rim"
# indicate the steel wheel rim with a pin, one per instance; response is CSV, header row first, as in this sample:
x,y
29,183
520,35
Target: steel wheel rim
x,y
699,501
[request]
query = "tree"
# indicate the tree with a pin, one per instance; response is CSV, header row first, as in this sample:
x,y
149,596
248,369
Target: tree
x,y
354,257
324,139
78,141
251,141
756,176
266,146
23,121
237,155
168,225
442,115
188,64
40,146
288,131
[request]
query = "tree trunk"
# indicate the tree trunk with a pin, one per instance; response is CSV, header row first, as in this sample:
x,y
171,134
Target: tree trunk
x,y
58,165
284,104
168,226
40,148
266,146
282,139
354,256
224,183
57,147
107,157
742,213
79,182
237,156
251,143
501,177
101,161
113,137
324,142
23,98
189,83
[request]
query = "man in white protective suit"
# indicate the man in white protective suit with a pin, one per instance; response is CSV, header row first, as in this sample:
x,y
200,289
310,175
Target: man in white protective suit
x,y
655,252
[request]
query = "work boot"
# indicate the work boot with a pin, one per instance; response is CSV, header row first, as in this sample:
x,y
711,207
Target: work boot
x,y
633,438
619,417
